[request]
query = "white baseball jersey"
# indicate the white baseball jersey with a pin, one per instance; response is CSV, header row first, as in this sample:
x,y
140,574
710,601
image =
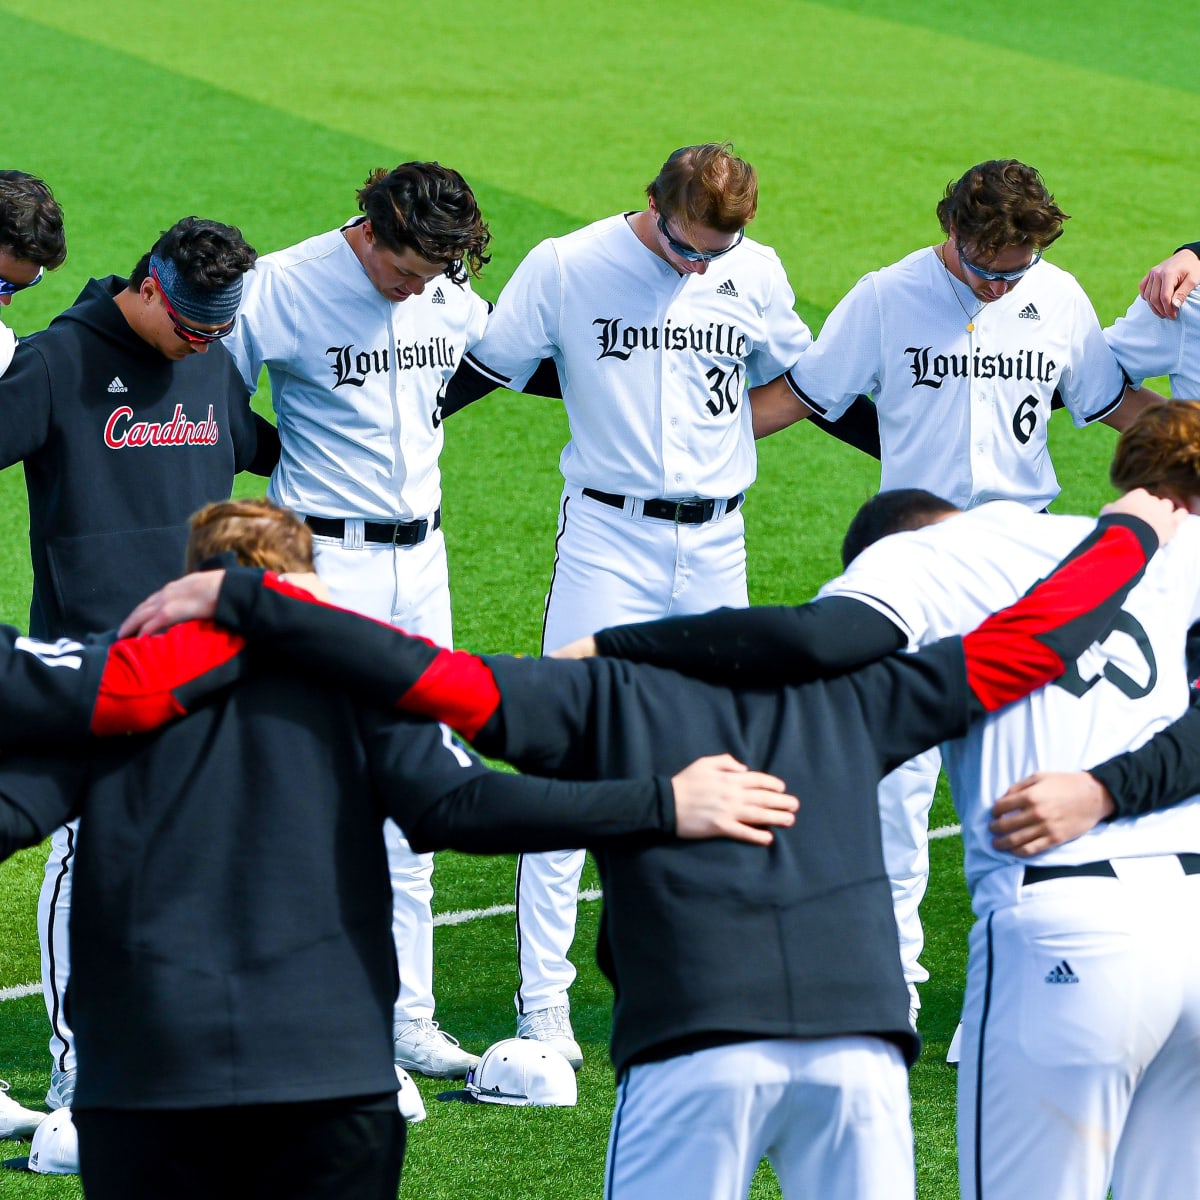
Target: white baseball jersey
x,y
8,346
654,365
963,413
944,579
1147,346
355,379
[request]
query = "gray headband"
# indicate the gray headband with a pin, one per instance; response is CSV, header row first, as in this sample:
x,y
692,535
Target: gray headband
x,y
205,306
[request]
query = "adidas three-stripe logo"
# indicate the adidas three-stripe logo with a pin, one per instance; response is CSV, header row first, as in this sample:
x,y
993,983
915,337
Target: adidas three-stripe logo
x,y
1030,313
727,289
439,296
1062,973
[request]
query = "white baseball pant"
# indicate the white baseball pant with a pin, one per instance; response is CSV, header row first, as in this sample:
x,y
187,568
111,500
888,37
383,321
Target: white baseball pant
x,y
905,798
407,586
831,1116
53,916
1081,1039
611,566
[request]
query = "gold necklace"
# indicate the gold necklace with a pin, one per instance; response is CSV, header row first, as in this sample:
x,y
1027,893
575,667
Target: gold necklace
x,y
940,254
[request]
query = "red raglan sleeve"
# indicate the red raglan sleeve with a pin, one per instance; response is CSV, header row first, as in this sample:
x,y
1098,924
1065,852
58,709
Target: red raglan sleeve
x,y
148,681
1031,642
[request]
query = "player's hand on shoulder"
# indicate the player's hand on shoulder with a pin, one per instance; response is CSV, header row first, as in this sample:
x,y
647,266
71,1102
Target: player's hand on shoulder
x,y
718,796
1166,286
194,597
1046,809
584,647
1165,517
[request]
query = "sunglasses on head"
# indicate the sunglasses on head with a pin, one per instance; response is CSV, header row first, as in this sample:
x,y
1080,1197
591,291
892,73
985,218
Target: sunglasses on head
x,y
690,253
993,276
8,288
189,333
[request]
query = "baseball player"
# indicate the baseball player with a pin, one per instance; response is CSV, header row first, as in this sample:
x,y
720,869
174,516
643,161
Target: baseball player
x,y
128,415
31,243
965,347
1057,1096
659,323
790,1047
359,329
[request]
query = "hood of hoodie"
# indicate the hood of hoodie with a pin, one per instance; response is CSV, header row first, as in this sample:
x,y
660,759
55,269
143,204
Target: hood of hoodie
x,y
96,309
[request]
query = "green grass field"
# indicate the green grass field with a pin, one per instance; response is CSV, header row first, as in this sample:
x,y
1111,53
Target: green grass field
x,y
856,113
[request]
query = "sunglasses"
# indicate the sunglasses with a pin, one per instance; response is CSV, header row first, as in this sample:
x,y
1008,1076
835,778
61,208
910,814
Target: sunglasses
x,y
690,253
8,288
1006,276
189,333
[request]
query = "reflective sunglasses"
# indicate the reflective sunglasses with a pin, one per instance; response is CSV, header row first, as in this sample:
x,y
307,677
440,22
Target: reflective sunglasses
x,y
197,337
8,288
1006,276
690,253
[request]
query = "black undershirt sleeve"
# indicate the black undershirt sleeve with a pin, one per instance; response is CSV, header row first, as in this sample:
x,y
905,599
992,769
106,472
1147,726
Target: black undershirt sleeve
x,y
469,384
760,647
858,426
496,813
1194,247
266,447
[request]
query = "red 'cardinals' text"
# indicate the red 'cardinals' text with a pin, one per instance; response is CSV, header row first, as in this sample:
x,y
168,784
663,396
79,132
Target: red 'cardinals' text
x,y
121,430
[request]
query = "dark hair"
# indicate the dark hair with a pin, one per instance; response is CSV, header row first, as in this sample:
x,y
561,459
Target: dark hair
x,y
209,255
428,208
891,512
706,185
999,204
31,221
258,532
1160,451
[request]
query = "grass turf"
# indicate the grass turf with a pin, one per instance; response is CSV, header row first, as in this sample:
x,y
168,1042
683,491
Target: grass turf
x,y
856,113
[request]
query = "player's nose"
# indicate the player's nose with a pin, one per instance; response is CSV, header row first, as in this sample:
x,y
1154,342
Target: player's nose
x,y
417,286
698,268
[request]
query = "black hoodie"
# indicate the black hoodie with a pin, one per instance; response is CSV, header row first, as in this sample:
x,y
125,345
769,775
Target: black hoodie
x,y
120,445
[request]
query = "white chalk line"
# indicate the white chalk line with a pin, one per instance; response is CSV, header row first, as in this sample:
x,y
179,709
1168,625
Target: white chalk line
x,y
461,917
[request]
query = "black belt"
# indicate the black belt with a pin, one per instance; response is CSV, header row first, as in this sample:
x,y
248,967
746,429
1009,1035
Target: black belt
x,y
1104,869
682,512
402,533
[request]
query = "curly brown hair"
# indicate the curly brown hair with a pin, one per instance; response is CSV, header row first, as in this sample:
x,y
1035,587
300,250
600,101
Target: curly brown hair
x,y
1000,204
31,221
430,209
258,532
706,185
1160,451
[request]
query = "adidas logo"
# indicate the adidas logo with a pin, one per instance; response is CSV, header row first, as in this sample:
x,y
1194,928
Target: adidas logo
x,y
1062,974
438,296
1029,313
117,386
727,289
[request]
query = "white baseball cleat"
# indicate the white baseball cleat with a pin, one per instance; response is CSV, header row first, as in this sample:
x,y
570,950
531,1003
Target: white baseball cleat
x,y
15,1121
420,1046
552,1026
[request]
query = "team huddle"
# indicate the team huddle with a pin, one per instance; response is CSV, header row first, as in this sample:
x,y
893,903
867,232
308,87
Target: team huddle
x,y
271,954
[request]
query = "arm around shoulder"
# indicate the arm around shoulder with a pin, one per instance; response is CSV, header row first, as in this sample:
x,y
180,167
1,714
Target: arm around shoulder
x,y
775,406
